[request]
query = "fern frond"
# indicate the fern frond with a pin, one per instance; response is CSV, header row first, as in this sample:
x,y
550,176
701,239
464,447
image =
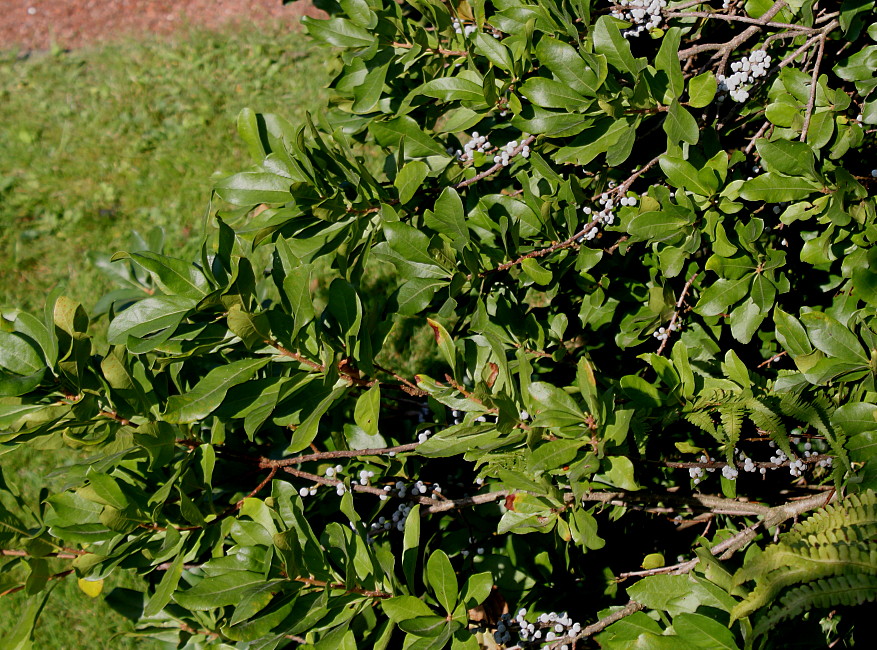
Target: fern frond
x,y
837,541
857,512
702,420
847,590
766,418
731,416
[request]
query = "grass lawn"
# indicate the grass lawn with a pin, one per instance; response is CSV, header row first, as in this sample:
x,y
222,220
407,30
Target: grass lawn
x,y
98,142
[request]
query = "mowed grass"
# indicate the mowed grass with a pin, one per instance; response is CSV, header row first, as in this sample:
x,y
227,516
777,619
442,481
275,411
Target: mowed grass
x,y
96,143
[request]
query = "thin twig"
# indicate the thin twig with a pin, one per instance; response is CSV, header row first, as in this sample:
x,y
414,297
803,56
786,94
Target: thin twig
x,y
342,453
814,84
56,576
490,170
295,355
434,50
772,359
672,325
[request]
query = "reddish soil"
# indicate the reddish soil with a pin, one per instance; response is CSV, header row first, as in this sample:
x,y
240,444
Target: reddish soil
x,y
40,24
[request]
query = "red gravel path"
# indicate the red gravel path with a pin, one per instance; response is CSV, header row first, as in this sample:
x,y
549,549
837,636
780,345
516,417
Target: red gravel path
x,y
38,24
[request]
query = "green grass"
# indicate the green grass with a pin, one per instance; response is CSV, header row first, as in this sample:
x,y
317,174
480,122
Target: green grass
x,y
98,142
101,141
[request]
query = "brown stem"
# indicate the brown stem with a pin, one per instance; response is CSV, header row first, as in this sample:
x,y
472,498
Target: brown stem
x,y
407,385
112,415
772,359
10,552
56,576
436,50
326,455
811,101
487,172
295,355
338,585
671,326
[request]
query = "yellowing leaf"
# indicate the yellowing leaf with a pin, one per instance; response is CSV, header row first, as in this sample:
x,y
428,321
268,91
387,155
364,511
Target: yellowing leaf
x,y
91,588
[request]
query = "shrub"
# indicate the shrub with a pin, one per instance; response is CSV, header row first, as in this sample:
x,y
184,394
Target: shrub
x,y
637,240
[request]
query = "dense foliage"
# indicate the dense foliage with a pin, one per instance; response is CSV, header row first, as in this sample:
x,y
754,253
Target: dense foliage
x,y
634,240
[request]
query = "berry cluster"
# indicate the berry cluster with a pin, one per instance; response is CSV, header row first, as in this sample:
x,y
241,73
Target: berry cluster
x,y
797,466
663,333
476,143
606,213
746,71
462,28
548,628
645,14
505,154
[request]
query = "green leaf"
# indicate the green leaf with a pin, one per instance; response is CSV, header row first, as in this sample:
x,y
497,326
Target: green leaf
x,y
166,586
416,295
553,454
218,590
702,89
640,392
680,125
253,188
368,408
682,173
772,187
715,299
445,343
253,329
786,157
173,276
208,393
18,355
442,579
411,545
417,143
620,473
449,89
745,320
410,178
665,592
791,334
495,52
402,608
248,130
476,589
554,398
307,430
338,32
106,490
535,272
150,316
34,329
407,248
22,635
566,64
855,418
667,61
549,93
659,226
449,219
425,626
297,287
832,338
346,307
367,94
609,42
699,631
